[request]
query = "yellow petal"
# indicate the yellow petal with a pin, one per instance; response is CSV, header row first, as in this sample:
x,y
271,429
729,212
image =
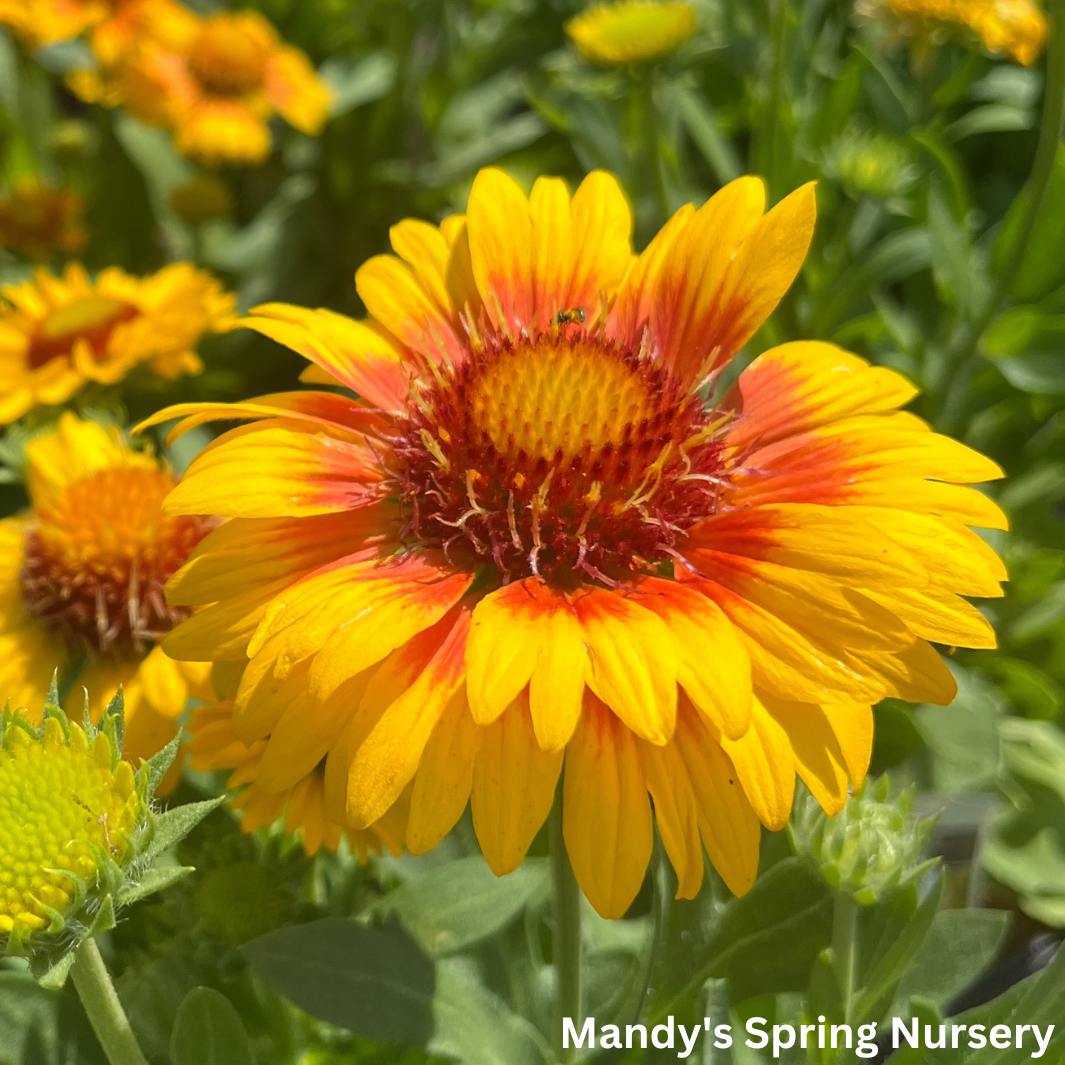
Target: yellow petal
x,y
513,788
818,758
606,816
766,767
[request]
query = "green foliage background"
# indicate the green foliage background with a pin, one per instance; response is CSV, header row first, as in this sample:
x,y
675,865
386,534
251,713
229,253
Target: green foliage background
x,y
921,190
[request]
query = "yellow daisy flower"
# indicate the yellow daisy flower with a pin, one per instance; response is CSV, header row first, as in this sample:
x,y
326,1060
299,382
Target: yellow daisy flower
x,y
37,220
1017,28
59,333
528,541
631,31
81,582
220,86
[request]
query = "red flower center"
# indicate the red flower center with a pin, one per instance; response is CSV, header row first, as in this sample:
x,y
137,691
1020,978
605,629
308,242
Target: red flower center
x,y
90,318
565,456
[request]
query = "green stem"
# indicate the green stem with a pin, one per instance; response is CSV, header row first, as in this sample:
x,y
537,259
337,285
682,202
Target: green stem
x,y
567,936
845,948
1038,185
108,1018
660,904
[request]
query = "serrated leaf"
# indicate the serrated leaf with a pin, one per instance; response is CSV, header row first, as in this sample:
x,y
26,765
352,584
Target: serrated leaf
x,y
161,761
208,1031
377,983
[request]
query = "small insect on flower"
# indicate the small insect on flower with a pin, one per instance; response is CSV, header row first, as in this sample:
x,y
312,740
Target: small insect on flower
x,y
573,316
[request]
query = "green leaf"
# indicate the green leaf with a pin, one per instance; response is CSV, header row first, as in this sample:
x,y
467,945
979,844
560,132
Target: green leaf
x,y
463,902
963,737
174,825
960,944
991,118
476,1027
769,939
701,125
357,82
208,1031
376,982
156,879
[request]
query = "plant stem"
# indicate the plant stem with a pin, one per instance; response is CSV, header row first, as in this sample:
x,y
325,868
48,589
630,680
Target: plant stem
x,y
845,948
659,915
567,937
1037,187
108,1018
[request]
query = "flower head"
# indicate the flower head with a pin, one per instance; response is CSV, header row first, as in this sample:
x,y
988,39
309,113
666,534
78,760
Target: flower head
x,y
37,220
532,540
631,31
82,575
77,832
1017,28
59,333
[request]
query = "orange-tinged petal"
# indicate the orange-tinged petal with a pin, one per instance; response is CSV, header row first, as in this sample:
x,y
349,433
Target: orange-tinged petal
x,y
500,236
632,662
818,757
425,250
676,814
714,668
602,231
506,636
358,354
806,384
918,674
388,760
513,787
852,724
686,311
764,268
396,299
445,776
403,599
606,816
634,302
728,825
281,473
764,761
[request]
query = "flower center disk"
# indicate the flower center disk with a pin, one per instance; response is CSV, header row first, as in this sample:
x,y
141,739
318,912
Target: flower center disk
x,y
95,563
565,456
226,58
91,318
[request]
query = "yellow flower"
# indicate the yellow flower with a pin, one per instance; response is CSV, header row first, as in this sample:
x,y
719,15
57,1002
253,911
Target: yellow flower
x,y
36,220
59,333
81,581
218,88
630,31
1017,28
530,541
42,22
64,804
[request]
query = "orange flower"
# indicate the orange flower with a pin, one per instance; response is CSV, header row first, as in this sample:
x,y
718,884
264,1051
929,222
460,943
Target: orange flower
x,y
36,220
59,333
531,541
41,22
81,583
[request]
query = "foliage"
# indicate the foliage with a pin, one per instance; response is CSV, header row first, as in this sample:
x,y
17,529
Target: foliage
x,y
933,256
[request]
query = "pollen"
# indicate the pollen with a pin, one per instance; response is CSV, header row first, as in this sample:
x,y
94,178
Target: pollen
x,y
566,457
97,559
63,810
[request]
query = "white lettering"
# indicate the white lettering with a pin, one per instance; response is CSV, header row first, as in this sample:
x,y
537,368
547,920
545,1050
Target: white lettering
x,y
977,1039
611,1032
570,1032
689,1044
1043,1043
999,1033
912,1036
753,1029
723,1036
629,1029
668,1029
866,1047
